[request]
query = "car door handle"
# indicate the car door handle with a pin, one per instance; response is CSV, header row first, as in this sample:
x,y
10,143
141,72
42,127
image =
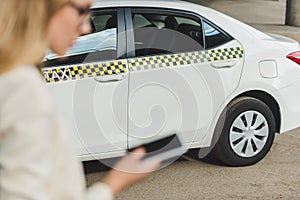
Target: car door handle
x,y
110,78
223,64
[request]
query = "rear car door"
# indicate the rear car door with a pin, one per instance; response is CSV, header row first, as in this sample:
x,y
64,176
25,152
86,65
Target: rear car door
x,y
90,86
180,74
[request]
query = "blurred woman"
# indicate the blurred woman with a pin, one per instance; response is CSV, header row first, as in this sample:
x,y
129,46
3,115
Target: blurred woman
x,y
36,160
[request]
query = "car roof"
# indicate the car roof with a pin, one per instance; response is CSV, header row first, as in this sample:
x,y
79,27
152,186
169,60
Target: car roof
x,y
230,25
175,4
170,4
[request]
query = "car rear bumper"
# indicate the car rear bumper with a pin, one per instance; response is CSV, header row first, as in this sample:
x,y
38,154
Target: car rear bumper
x,y
290,106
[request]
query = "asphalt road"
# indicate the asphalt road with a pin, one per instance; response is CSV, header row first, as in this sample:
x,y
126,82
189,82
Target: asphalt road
x,y
277,176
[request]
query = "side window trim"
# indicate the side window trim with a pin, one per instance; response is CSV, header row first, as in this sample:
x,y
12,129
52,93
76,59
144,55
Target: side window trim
x,y
175,11
204,20
121,34
130,51
203,32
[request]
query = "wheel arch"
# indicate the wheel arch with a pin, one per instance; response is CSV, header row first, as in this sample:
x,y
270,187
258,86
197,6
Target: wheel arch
x,y
269,100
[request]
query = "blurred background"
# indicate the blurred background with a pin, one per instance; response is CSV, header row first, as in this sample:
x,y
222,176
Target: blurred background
x,y
275,16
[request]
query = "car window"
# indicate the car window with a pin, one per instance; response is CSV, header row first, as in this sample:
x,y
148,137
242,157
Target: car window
x,y
99,45
214,37
140,21
162,32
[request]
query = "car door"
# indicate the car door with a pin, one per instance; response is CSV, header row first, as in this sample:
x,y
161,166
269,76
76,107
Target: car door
x,y
90,86
178,77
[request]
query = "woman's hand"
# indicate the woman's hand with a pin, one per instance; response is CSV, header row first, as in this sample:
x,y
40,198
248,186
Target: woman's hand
x,y
129,170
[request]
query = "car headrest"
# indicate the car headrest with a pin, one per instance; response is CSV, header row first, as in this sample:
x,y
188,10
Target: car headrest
x,y
171,23
111,22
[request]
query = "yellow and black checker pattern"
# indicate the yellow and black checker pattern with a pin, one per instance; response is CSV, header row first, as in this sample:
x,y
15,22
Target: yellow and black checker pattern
x,y
82,71
76,72
172,60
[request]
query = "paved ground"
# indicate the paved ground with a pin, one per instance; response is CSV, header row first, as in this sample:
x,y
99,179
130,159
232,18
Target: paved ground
x,y
275,177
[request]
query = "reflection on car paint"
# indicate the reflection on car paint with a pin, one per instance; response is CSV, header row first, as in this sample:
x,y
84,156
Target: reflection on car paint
x,y
100,41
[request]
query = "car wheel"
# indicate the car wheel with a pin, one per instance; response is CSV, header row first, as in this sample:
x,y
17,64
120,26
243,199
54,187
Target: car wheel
x,y
247,134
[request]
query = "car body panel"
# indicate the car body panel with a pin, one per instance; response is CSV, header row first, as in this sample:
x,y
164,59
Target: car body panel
x,y
98,125
108,112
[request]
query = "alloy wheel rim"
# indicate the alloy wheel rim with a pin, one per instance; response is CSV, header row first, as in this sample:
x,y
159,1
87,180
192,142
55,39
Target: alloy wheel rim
x,y
248,134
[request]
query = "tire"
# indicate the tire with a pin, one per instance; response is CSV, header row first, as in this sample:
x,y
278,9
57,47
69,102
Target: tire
x,y
247,134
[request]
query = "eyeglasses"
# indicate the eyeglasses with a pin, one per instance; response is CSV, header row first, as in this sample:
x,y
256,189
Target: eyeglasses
x,y
81,11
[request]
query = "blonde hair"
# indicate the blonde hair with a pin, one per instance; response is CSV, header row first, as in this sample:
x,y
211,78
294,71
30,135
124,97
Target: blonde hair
x,y
23,30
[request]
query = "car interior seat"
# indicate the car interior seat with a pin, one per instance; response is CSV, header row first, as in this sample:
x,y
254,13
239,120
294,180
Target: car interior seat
x,y
190,39
194,32
171,23
111,22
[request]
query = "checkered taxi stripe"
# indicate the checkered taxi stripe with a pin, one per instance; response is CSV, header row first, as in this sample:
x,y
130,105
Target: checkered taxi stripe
x,y
82,71
75,72
171,60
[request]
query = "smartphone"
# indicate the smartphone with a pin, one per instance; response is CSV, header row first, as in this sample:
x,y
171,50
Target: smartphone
x,y
163,148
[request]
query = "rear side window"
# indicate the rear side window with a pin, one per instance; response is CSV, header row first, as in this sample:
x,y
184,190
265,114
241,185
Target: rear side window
x,y
213,36
162,32
99,45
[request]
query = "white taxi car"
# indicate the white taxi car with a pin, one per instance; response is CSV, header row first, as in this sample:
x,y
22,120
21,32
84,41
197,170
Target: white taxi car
x,y
154,67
